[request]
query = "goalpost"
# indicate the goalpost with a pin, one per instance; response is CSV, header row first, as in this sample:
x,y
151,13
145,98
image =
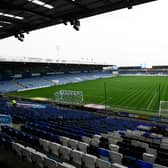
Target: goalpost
x,y
69,97
163,109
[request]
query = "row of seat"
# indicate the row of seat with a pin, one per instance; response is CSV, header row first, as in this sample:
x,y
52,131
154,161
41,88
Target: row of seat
x,y
128,149
85,138
131,145
48,80
73,144
80,158
102,153
31,155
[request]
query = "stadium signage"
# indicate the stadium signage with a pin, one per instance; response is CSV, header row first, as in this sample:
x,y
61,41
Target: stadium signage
x,y
5,120
30,105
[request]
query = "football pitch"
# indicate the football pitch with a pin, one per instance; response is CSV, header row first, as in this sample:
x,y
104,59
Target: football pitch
x,y
136,93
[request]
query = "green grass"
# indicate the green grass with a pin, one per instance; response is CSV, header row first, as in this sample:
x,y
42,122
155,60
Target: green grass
x,y
136,93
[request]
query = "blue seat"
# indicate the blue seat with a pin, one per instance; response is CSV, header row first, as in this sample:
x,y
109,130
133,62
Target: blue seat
x,y
129,161
104,154
143,164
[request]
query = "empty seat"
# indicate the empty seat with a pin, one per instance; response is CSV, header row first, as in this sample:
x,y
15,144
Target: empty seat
x,y
116,157
135,143
82,147
148,157
143,127
86,139
116,165
50,163
164,145
94,142
129,161
113,141
65,152
76,157
104,135
144,145
89,161
96,136
64,165
44,144
152,151
114,148
165,140
102,164
73,143
104,154
64,140
26,153
143,164
38,158
18,148
54,148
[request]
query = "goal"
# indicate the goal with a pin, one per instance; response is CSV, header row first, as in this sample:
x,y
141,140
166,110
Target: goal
x,y
69,97
163,109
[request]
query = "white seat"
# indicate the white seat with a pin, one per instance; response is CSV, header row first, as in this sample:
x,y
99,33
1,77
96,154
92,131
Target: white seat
x,y
18,148
82,147
73,143
148,157
164,145
154,135
142,138
113,141
143,127
116,165
65,152
64,140
135,143
65,165
38,158
165,140
156,141
94,142
116,157
114,148
89,160
102,164
152,151
44,144
54,148
96,137
26,153
104,135
86,139
76,157
50,163
144,145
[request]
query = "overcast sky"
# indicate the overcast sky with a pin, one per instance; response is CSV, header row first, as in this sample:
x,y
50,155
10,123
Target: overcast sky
x,y
123,37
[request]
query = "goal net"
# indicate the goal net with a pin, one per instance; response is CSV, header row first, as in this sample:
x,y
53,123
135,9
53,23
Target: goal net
x,y
69,97
163,109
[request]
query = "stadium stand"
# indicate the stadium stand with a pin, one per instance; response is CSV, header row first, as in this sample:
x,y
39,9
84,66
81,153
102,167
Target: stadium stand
x,y
138,70
19,76
45,136
52,137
